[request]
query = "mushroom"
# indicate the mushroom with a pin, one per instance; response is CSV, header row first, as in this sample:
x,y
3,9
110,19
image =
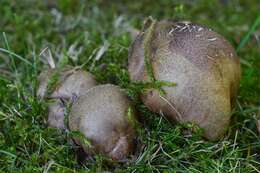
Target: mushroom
x,y
65,83
202,64
104,117
56,115
61,85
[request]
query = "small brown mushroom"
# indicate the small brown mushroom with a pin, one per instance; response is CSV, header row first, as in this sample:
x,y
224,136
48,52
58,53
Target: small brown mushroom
x,y
69,82
61,84
66,84
102,115
56,114
201,62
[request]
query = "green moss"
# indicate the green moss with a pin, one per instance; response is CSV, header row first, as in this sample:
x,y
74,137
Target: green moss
x,y
142,87
78,135
131,117
27,145
148,29
63,61
53,81
150,24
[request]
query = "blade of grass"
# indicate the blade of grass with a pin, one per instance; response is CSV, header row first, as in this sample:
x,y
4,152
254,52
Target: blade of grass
x,y
8,153
8,48
15,55
246,37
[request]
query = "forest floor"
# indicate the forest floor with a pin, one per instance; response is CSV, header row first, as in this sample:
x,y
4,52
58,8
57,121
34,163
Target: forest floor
x,y
76,32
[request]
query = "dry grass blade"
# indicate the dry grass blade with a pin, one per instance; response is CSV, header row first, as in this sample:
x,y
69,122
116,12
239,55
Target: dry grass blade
x,y
46,55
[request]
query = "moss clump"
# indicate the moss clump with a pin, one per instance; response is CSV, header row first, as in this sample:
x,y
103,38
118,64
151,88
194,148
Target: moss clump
x,y
53,82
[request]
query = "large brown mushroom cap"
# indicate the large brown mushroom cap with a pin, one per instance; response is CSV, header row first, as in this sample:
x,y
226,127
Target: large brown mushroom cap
x,y
101,116
201,62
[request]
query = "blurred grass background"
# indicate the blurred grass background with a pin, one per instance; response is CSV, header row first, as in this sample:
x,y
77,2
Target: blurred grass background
x,y
76,30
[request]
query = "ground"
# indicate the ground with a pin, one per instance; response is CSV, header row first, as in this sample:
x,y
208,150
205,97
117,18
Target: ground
x,y
94,33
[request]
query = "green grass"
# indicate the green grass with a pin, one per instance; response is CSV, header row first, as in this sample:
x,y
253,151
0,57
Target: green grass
x,y
26,145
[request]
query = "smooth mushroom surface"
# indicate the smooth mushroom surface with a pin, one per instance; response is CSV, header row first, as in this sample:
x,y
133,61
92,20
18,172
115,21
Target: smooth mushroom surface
x,y
70,82
102,116
201,62
56,112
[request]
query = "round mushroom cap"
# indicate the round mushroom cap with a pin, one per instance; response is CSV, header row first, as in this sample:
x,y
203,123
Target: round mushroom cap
x,y
70,82
66,84
101,115
201,62
76,82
